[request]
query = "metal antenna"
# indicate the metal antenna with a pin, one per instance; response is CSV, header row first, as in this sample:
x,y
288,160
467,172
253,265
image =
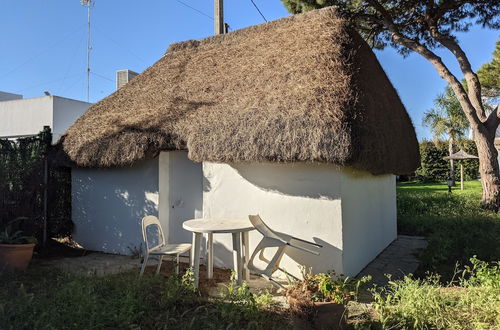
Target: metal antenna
x,y
89,4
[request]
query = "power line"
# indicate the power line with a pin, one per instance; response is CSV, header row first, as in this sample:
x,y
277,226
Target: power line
x,y
37,55
253,3
102,77
45,83
101,31
69,87
70,65
197,10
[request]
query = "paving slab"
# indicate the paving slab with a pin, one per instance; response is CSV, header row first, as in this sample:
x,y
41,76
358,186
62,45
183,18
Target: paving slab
x,y
398,259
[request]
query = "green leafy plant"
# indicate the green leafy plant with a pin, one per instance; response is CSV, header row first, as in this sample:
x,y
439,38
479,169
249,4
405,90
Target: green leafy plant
x,y
179,289
11,236
22,186
241,294
54,300
470,302
327,287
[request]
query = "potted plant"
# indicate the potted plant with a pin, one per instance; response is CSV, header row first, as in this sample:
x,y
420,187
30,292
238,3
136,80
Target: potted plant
x,y
322,298
16,250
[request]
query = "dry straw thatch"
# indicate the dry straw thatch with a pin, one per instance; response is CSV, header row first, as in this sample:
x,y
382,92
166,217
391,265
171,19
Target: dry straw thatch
x,y
303,88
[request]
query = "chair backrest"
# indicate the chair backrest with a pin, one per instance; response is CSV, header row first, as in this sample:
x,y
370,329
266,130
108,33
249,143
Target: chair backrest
x,y
151,220
261,227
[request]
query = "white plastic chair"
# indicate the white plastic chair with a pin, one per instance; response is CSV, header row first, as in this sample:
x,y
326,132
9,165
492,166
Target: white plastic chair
x,y
162,248
274,239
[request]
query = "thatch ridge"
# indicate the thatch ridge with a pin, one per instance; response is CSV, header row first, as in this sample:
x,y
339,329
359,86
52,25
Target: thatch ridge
x,y
302,88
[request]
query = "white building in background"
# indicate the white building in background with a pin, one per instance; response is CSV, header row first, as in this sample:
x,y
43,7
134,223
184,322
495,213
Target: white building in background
x,y
21,117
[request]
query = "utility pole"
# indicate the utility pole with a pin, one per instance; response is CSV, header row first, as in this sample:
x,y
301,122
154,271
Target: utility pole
x,y
219,17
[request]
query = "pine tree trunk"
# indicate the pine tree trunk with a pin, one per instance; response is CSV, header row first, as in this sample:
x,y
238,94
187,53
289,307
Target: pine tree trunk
x,y
489,170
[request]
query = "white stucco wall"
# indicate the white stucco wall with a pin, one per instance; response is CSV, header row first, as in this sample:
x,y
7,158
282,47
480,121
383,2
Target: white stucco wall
x,y
65,113
25,117
302,200
108,205
181,194
369,217
316,202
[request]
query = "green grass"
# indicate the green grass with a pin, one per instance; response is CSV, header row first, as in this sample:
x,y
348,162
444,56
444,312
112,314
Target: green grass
x,y
455,225
470,188
471,301
40,300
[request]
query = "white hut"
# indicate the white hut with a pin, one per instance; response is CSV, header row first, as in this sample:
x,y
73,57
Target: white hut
x,y
294,120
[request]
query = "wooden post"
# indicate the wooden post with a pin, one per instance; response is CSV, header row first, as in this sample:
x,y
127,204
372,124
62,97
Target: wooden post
x,y
461,176
45,193
219,17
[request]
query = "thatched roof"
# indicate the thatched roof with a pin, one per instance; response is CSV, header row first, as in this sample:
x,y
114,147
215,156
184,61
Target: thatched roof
x,y
459,155
303,88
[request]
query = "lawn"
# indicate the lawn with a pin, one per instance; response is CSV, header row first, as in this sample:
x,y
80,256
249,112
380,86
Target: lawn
x,y
38,299
456,227
471,188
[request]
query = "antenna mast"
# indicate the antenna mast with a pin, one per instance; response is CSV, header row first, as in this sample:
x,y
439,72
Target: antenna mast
x,y
89,4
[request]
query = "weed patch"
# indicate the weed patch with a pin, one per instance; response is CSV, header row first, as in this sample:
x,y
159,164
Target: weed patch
x,y
60,301
471,302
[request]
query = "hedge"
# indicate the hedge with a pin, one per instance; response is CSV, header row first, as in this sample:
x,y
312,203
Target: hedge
x,y
434,168
22,187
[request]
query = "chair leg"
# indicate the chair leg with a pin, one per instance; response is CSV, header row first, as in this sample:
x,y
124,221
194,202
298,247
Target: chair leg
x,y
177,265
259,248
274,263
160,259
144,263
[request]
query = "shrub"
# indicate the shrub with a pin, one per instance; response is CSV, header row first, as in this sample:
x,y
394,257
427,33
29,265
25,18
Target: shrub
x,y
22,170
472,302
433,166
326,287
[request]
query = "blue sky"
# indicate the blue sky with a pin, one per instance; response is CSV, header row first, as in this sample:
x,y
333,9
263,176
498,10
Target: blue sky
x,y
44,45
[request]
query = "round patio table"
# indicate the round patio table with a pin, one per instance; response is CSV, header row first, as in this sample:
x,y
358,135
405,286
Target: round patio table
x,y
238,228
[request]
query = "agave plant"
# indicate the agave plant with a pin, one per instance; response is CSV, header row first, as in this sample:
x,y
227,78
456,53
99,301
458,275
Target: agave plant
x,y
9,236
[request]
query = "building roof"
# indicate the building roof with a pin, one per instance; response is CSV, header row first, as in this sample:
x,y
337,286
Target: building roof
x,y
305,88
461,155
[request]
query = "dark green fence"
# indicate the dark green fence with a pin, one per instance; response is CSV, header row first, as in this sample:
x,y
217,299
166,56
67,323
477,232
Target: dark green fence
x,y
34,187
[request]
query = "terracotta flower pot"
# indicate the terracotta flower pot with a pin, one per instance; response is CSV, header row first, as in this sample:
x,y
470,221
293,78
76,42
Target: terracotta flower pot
x,y
329,315
324,315
15,256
